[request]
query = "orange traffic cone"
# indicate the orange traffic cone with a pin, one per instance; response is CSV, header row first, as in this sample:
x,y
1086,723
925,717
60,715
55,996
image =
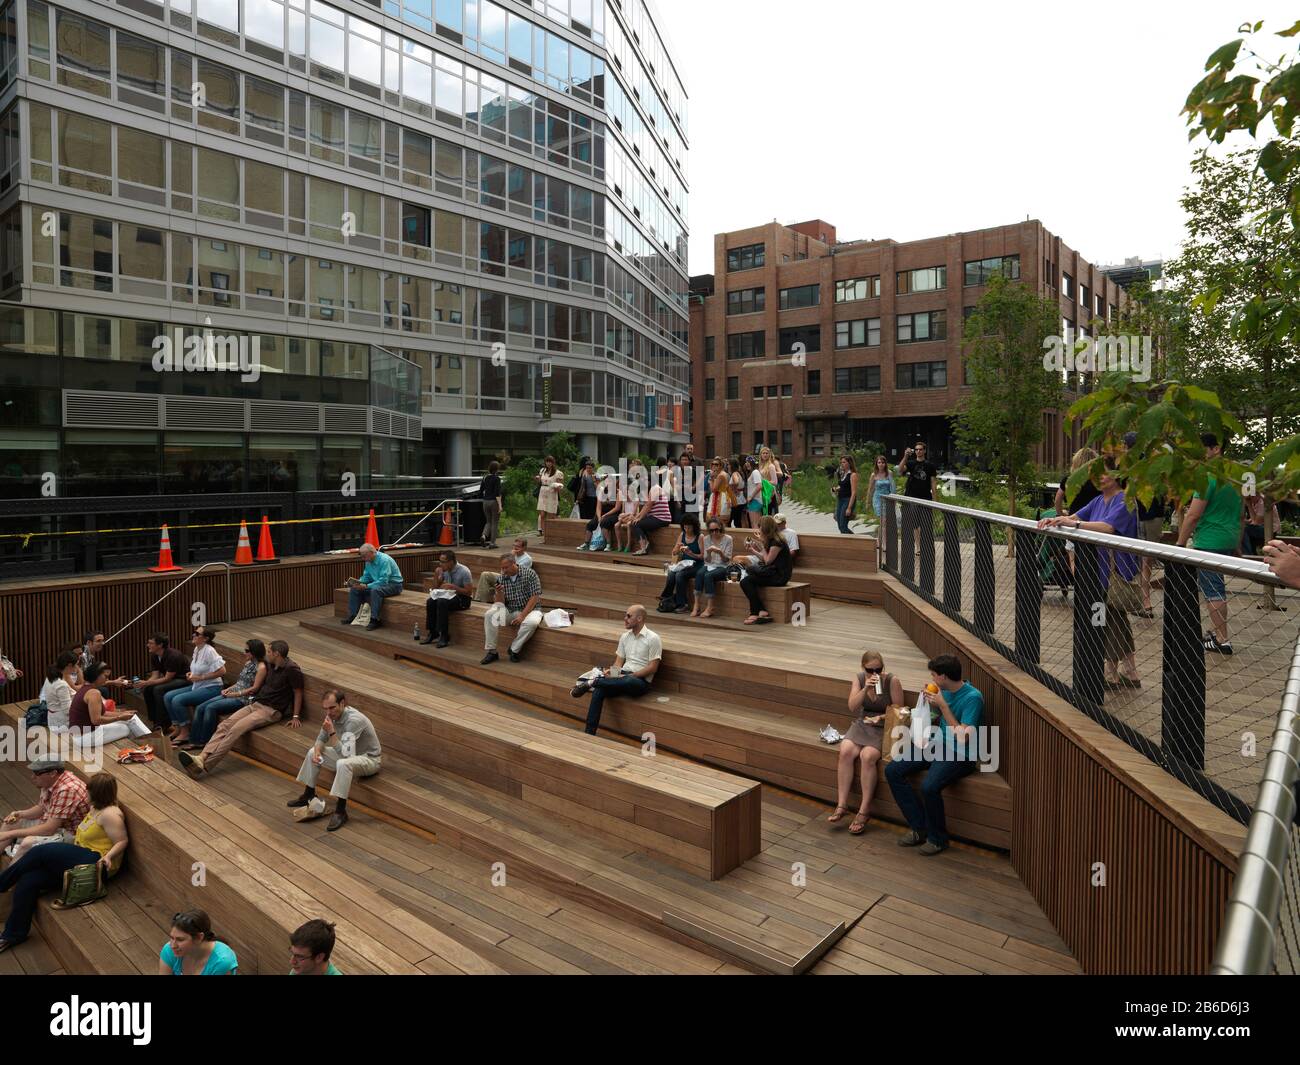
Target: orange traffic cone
x,y
448,536
265,549
165,564
372,531
244,549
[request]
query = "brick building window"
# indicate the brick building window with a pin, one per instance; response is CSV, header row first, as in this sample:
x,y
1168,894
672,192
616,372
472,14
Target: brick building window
x,y
747,345
921,375
857,379
930,279
809,336
710,389
746,300
921,327
980,271
803,296
814,387
1067,286
733,387
710,348
758,391
749,257
735,443
787,442
862,333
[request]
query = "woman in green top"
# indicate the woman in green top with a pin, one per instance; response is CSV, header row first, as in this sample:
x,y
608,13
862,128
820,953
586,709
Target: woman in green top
x,y
194,950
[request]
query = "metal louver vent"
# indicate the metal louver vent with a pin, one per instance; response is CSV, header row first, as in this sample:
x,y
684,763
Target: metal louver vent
x,y
198,412
270,416
337,418
96,410
381,422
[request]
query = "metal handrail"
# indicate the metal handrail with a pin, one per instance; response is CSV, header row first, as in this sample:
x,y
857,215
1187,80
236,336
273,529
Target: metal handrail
x,y
230,612
1234,567
1248,938
402,539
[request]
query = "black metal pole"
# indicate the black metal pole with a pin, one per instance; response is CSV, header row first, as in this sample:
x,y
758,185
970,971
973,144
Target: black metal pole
x,y
985,581
951,561
925,523
1029,597
1182,705
891,536
1089,629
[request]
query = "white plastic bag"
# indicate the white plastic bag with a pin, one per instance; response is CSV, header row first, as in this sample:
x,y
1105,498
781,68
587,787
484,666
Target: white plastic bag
x,y
921,721
557,619
363,615
138,728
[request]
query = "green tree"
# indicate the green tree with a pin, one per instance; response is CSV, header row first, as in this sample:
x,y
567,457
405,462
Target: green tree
x,y
1001,420
1238,337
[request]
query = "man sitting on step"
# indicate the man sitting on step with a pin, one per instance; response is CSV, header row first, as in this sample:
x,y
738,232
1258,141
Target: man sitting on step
x,y
639,653
518,593
487,581
381,579
280,693
356,754
450,592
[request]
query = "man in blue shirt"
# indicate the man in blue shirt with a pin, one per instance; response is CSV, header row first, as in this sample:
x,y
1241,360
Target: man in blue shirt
x,y
950,755
380,579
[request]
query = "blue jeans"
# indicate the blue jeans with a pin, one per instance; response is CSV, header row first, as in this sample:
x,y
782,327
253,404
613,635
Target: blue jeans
x,y
678,582
209,715
842,515
375,594
40,870
605,686
707,578
178,702
939,774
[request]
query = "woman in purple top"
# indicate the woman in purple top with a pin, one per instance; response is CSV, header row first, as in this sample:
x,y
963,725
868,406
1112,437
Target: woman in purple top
x,y
1108,513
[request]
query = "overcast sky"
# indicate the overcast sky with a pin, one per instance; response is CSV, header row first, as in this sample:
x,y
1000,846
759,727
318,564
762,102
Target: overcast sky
x,y
917,119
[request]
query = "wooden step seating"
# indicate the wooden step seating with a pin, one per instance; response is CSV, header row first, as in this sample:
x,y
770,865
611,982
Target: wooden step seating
x,y
692,816
701,707
575,581
548,845
836,567
257,886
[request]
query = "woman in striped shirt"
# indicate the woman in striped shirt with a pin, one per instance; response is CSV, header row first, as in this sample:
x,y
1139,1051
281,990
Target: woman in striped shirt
x,y
654,514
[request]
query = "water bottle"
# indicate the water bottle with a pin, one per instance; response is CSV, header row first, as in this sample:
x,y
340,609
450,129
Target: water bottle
x,y
135,682
415,634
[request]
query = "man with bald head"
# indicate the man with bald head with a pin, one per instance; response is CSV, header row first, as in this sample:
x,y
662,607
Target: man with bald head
x,y
635,665
381,579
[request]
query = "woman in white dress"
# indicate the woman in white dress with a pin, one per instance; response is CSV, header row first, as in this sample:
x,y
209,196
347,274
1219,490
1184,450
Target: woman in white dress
x,y
551,481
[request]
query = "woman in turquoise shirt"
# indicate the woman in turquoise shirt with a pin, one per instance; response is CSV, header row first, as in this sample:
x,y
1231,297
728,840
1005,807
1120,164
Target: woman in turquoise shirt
x,y
882,484
194,950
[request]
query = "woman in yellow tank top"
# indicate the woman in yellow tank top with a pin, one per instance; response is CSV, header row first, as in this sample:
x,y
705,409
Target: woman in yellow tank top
x,y
101,837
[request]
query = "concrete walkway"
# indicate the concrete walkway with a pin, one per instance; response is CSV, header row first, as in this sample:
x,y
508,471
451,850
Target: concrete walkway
x,y
804,519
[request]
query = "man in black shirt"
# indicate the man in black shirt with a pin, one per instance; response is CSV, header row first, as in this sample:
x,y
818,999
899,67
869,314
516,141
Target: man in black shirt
x,y
491,491
168,669
281,693
921,475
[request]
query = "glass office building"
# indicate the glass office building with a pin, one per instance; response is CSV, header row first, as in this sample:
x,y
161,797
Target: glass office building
x,y
452,227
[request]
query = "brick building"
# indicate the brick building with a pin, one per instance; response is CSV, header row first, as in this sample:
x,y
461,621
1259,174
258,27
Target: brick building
x,y
880,323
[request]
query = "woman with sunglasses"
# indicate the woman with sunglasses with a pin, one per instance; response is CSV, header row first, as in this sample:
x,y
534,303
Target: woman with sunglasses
x,y
718,497
209,714
672,600
207,669
717,550
872,693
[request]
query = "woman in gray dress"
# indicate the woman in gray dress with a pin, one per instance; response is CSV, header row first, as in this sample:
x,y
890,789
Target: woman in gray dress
x,y
872,693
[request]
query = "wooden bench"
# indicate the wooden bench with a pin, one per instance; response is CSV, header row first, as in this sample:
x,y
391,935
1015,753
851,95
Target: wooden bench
x,y
834,567
692,816
686,712
193,848
583,575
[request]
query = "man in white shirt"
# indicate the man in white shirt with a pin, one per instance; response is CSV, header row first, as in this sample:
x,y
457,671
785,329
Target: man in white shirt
x,y
791,537
635,665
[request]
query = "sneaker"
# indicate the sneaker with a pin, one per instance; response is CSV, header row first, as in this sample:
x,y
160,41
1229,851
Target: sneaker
x,y
931,849
1211,643
191,763
489,658
580,689
584,547
911,839
347,621
374,625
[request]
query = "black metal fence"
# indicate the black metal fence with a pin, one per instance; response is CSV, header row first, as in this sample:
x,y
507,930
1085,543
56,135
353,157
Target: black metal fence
x,y
1039,598
104,533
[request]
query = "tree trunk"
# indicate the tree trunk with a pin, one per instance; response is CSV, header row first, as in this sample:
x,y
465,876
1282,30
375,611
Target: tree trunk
x,y
1270,593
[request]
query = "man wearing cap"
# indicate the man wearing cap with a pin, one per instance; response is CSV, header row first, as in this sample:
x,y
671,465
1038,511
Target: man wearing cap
x,y
63,803
789,535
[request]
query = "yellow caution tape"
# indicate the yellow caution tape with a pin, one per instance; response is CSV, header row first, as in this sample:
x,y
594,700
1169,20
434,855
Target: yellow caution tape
x,y
26,538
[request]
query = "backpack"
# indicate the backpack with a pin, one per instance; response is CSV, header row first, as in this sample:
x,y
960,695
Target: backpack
x,y
38,714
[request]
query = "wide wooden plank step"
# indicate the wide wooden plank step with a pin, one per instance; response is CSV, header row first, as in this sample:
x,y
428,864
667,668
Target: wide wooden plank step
x,y
758,743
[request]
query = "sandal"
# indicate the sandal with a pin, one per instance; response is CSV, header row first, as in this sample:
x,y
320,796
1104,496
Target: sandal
x,y
707,614
838,815
859,824
751,620
764,619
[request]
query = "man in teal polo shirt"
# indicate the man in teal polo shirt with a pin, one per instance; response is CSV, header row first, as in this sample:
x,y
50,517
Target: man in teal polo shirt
x,y
949,756
310,948
1213,524
380,579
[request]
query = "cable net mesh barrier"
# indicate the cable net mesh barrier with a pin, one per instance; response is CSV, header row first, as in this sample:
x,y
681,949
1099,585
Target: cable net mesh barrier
x,y
1050,604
